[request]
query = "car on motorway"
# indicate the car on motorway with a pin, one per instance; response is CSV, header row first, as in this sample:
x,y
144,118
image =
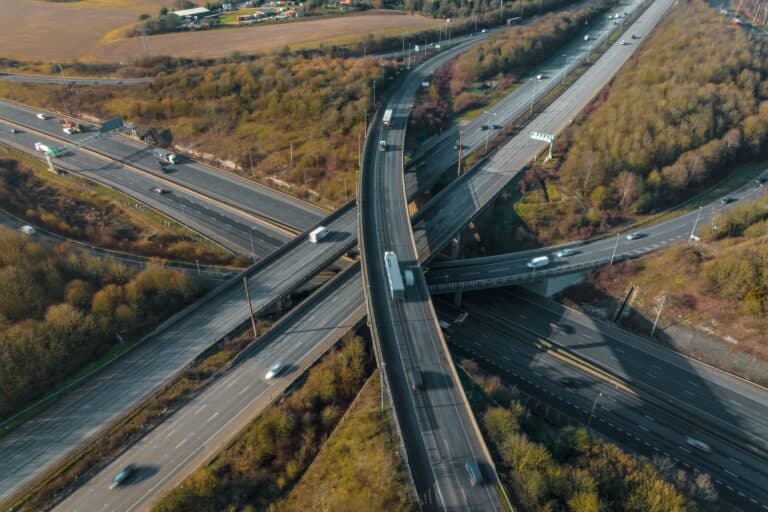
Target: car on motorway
x,y
727,200
13,130
562,253
274,371
539,76
572,382
382,145
473,470
41,116
634,236
122,476
635,36
623,43
698,444
538,262
159,190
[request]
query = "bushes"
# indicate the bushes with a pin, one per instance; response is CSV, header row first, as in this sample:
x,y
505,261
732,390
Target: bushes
x,y
59,311
691,103
277,447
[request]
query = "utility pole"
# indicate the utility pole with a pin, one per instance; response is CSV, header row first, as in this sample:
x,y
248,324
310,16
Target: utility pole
x,y
615,247
291,156
250,157
488,127
693,229
594,405
461,149
383,376
253,251
250,306
374,95
658,313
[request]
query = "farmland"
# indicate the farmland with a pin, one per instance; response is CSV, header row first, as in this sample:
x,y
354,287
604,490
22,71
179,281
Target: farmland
x,y
93,28
260,39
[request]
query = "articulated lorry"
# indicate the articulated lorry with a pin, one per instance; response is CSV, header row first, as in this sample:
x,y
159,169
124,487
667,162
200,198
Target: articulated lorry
x,y
54,152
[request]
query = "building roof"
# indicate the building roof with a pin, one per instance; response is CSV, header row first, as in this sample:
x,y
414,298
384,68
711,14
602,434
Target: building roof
x,y
197,11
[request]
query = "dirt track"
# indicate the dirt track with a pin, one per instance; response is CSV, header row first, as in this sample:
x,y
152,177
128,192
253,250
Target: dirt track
x,y
253,39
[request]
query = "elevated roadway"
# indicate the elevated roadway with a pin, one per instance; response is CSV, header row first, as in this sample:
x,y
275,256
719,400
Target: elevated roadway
x,y
82,411
435,422
512,331
204,426
88,426
512,268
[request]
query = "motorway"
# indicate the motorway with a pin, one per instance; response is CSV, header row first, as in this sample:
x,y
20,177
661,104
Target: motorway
x,y
506,269
264,202
72,81
431,160
436,422
438,221
504,329
45,238
81,412
204,426
232,228
117,387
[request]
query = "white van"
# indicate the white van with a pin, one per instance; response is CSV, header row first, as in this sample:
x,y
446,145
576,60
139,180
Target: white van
x,y
317,234
541,261
27,229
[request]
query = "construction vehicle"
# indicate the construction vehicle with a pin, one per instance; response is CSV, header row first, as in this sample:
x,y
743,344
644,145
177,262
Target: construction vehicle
x,y
70,127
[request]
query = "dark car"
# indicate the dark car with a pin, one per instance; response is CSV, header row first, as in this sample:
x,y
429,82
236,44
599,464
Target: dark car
x,y
122,476
727,200
572,382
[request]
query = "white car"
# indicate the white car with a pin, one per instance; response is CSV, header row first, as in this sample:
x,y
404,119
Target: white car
x,y
41,116
122,476
539,77
565,252
634,236
623,43
699,445
274,371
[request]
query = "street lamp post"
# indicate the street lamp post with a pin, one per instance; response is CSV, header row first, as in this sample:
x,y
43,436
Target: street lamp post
x,y
374,95
592,412
658,313
253,251
695,223
615,247
565,68
533,93
488,127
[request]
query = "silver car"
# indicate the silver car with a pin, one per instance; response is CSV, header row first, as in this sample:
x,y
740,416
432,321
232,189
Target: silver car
x,y
274,371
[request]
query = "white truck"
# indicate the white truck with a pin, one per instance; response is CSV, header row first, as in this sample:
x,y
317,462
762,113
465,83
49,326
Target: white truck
x,y
396,288
539,262
387,117
318,234
165,157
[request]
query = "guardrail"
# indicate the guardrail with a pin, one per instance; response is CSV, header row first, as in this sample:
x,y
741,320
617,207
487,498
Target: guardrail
x,y
510,279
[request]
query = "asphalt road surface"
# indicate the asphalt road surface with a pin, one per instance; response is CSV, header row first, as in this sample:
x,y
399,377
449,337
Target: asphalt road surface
x,y
72,81
85,409
207,423
499,329
439,154
26,441
45,238
443,217
436,421
251,197
232,228
506,269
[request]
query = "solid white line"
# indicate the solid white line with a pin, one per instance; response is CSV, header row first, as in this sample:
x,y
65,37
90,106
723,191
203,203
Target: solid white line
x,y
734,460
212,416
200,409
243,390
170,433
181,443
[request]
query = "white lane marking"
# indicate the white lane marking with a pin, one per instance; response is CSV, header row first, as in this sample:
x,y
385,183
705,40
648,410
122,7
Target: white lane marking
x,y
181,443
734,460
689,392
170,433
643,427
200,409
212,416
694,384
649,417
734,475
686,450
246,388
